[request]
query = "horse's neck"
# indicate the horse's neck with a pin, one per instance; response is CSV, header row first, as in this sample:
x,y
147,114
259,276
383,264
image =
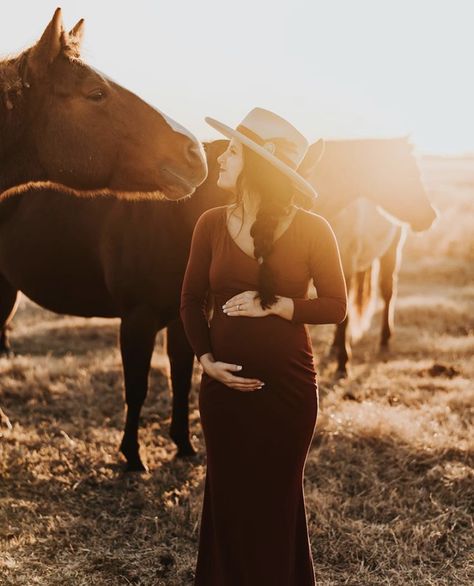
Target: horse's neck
x,y
18,159
19,167
205,198
374,167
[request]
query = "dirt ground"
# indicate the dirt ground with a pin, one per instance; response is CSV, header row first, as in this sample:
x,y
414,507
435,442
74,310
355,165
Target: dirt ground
x,y
389,480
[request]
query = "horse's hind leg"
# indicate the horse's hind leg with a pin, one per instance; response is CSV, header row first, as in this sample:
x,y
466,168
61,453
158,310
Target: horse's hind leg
x,y
137,339
9,298
181,358
389,266
343,348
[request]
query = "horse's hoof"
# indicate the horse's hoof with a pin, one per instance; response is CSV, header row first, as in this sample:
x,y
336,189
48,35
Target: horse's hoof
x,y
6,353
134,462
137,466
341,374
349,396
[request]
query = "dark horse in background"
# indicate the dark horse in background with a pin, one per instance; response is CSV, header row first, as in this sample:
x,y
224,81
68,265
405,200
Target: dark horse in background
x,y
370,190
63,121
91,253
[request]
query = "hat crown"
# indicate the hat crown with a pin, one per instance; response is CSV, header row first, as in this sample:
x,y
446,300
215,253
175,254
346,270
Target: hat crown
x,y
276,135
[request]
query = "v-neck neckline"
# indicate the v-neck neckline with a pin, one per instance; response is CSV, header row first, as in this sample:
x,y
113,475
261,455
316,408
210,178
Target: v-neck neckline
x,y
288,228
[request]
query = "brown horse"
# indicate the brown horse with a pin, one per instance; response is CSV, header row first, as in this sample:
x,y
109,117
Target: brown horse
x,y
96,254
63,121
368,190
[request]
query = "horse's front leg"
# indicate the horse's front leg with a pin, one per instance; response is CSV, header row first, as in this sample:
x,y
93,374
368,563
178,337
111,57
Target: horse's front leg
x,y
137,339
181,359
388,277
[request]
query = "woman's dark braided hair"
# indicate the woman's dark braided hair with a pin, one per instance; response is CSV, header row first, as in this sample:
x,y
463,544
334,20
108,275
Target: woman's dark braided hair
x,y
276,193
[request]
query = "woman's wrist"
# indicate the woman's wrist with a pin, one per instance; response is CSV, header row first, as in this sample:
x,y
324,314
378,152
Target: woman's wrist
x,y
206,359
284,307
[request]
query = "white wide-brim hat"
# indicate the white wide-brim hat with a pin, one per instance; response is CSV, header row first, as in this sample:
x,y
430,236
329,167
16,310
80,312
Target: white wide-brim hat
x,y
274,139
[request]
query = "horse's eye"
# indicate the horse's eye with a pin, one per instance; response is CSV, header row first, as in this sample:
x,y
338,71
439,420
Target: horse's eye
x,y
96,95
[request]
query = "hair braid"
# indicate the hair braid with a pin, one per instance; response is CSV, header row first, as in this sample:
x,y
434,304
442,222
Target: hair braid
x,y
276,196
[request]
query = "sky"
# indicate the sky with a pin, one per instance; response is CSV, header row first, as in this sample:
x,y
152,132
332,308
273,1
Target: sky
x,y
333,68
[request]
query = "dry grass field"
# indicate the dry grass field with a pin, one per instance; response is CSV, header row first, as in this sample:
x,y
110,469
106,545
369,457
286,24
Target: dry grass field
x,y
389,480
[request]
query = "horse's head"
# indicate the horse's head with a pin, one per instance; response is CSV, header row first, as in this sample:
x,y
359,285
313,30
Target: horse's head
x,y
79,128
397,187
384,171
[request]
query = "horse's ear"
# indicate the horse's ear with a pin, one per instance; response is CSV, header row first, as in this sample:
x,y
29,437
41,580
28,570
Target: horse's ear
x,y
75,36
48,47
311,159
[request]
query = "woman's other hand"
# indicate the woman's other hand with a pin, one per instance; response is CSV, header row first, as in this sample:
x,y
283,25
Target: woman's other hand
x,y
222,371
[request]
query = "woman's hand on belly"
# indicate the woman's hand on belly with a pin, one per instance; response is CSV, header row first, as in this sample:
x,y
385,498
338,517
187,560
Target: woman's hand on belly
x,y
245,304
222,372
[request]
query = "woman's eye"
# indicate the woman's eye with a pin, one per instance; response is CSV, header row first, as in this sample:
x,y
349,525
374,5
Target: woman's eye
x,y
96,95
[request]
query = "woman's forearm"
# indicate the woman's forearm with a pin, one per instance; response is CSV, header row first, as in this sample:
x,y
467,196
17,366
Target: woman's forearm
x,y
324,310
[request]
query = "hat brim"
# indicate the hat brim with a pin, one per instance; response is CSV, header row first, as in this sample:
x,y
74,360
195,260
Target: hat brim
x,y
299,183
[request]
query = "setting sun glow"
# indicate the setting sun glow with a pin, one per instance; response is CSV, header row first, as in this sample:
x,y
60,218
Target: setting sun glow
x,y
336,69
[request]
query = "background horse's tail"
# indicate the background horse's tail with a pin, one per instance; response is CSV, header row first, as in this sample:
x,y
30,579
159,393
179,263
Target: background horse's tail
x,y
362,300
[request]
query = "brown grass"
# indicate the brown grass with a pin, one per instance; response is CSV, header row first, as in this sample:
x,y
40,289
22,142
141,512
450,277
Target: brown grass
x,y
389,479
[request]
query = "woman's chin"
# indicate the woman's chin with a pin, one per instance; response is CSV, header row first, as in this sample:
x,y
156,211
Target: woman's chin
x,y
224,185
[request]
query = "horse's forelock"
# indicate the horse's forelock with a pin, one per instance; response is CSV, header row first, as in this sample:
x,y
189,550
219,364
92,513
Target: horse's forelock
x,y
70,46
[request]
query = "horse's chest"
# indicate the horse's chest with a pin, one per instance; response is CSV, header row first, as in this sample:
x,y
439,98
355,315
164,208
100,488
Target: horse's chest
x,y
363,234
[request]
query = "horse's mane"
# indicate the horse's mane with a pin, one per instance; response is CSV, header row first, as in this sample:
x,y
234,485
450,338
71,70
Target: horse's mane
x,y
12,66
33,187
10,76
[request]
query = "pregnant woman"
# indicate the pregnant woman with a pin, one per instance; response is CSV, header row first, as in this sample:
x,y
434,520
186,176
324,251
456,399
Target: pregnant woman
x,y
258,398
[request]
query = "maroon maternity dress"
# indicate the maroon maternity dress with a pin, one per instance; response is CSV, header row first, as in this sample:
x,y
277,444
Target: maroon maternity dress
x,y
253,526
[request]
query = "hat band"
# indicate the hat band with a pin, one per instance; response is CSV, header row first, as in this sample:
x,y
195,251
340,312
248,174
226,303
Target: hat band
x,y
273,145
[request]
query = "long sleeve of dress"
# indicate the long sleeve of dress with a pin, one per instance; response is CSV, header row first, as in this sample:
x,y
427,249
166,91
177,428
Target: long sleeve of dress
x,y
196,286
326,270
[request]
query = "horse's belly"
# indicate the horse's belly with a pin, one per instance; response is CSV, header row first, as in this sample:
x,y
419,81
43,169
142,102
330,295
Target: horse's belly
x,y
72,302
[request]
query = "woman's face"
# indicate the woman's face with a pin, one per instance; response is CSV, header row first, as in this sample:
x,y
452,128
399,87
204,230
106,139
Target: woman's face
x,y
231,164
